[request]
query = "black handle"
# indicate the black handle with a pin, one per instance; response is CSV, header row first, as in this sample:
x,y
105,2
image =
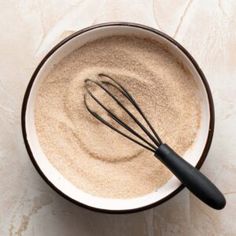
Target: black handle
x,y
191,177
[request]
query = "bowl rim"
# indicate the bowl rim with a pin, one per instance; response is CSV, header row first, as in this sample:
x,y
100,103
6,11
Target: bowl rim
x,y
115,24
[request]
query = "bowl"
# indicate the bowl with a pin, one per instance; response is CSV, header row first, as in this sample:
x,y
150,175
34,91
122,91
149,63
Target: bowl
x,y
195,155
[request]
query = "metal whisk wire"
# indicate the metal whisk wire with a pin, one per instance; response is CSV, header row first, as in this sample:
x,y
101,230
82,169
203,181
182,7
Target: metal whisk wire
x,y
192,178
153,137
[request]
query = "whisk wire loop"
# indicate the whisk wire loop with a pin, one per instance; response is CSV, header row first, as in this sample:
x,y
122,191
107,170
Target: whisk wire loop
x,y
155,139
132,100
153,149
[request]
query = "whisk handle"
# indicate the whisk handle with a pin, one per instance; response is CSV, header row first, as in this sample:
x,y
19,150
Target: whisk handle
x,y
191,177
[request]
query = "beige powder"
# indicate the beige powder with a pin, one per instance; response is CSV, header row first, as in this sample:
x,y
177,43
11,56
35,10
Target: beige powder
x,y
90,155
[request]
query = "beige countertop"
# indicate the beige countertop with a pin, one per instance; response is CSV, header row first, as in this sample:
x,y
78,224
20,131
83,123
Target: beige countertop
x,y
29,28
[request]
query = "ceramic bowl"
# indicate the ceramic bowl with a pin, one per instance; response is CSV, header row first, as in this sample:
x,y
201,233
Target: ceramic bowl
x,y
195,155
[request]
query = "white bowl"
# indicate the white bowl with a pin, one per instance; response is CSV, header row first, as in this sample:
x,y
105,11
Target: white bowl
x,y
195,155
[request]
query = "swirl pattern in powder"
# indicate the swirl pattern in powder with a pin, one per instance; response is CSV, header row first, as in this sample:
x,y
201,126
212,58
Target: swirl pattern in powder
x,y
90,155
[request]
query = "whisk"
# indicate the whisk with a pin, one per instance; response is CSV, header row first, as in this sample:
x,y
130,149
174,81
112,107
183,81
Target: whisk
x,y
191,177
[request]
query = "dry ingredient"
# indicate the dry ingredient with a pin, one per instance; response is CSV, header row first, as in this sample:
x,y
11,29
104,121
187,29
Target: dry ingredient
x,y
94,158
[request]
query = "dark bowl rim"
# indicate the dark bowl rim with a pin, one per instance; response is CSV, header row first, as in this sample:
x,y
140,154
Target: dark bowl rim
x,y
114,24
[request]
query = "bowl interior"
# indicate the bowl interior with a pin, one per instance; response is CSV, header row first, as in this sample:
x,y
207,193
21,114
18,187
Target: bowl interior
x,y
193,155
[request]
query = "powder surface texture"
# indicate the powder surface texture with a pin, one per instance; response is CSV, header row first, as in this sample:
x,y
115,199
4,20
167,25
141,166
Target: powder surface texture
x,y
90,155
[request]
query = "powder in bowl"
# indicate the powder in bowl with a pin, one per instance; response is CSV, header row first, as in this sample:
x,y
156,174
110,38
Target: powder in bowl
x,y
90,155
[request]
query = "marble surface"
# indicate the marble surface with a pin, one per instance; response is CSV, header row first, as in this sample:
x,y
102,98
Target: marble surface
x,y
29,28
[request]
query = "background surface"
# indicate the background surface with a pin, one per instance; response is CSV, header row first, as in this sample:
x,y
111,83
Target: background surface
x,y
29,28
